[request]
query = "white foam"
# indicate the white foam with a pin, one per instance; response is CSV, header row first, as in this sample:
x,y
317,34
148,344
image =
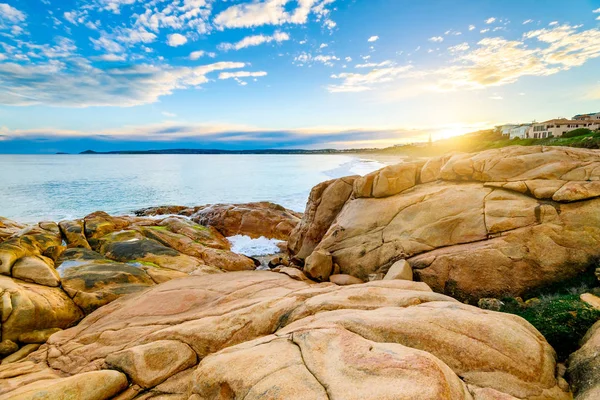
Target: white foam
x,y
253,247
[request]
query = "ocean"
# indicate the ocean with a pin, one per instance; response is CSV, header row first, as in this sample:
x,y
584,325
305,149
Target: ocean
x,y
57,187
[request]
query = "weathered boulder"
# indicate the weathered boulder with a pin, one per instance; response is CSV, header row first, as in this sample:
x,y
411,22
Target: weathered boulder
x,y
95,282
28,307
35,242
400,270
151,364
264,335
584,366
204,244
324,203
21,353
498,223
125,246
37,269
319,265
345,280
252,219
74,233
96,385
9,228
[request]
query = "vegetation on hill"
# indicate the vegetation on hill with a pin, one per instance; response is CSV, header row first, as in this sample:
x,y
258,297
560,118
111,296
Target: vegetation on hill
x,y
490,139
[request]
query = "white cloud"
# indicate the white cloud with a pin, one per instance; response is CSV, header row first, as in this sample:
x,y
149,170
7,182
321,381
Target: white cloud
x,y
12,19
241,74
307,58
490,20
596,11
557,49
9,14
195,55
169,114
496,97
110,57
82,85
255,40
459,47
382,64
373,39
553,23
272,12
348,59
527,21
323,45
484,31
354,82
104,43
176,39
471,27
436,39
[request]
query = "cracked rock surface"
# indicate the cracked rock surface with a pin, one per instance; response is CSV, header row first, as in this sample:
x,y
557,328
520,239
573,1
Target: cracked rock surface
x,y
498,223
257,335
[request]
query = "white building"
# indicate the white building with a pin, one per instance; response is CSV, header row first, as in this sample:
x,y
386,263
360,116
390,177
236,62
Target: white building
x,y
519,131
505,129
558,127
586,117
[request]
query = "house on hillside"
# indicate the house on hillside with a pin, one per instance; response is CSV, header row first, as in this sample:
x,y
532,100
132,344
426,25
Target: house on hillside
x,y
558,127
505,129
519,131
586,117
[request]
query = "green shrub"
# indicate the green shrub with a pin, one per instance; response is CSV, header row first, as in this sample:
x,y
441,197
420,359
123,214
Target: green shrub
x,y
562,319
577,132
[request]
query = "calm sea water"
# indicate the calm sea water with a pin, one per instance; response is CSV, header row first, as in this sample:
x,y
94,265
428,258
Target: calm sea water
x,y
56,187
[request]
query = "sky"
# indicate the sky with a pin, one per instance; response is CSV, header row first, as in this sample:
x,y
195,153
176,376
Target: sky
x,y
262,74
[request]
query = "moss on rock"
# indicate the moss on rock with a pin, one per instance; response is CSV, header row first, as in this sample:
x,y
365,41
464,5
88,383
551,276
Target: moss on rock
x,y
563,319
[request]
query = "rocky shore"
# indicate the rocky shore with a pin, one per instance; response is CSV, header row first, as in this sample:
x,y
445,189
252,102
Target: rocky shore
x,y
390,286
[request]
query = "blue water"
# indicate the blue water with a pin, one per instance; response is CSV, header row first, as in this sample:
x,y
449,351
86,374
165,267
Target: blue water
x,y
57,187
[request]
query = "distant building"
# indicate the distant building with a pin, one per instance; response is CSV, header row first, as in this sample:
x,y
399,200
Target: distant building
x,y
558,127
585,117
519,131
505,129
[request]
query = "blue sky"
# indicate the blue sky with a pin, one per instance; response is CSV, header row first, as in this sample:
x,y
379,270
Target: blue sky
x,y
133,74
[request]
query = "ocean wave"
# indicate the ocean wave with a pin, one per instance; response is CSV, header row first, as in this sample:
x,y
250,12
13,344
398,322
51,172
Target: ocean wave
x,y
355,166
253,247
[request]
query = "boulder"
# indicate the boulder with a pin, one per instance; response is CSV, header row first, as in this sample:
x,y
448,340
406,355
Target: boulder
x,y
503,222
35,242
74,233
9,228
97,282
324,203
40,336
344,280
7,347
129,245
198,244
20,354
590,299
584,366
96,385
37,269
28,307
400,270
319,265
151,364
264,335
252,219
